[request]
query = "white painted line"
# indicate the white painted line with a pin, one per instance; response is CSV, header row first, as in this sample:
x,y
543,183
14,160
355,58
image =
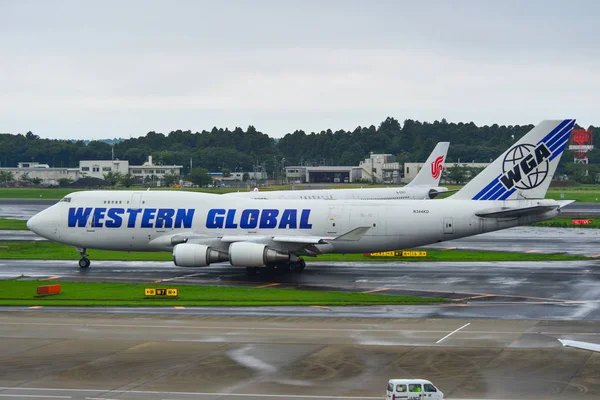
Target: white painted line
x,y
98,398
453,332
34,396
285,396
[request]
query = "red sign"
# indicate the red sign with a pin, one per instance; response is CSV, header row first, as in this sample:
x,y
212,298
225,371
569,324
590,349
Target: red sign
x,y
436,167
582,221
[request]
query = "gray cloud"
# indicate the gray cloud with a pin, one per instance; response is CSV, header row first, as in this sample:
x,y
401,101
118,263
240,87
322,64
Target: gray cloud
x,y
82,69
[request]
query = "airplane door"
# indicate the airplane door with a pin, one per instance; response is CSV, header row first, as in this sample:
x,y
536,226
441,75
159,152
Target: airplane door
x,y
335,222
136,201
448,225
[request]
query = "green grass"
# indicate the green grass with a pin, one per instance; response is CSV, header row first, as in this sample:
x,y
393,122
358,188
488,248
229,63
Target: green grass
x,y
43,250
567,222
13,224
457,255
19,292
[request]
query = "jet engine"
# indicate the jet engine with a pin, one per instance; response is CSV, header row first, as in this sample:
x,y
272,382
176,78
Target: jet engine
x,y
196,255
248,254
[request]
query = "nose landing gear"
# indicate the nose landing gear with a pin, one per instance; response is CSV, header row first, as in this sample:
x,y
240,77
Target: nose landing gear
x,y
84,262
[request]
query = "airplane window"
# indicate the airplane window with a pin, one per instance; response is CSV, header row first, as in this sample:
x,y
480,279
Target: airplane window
x,y
66,199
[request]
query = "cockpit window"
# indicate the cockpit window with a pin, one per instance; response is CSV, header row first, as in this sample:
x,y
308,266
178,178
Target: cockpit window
x,y
66,200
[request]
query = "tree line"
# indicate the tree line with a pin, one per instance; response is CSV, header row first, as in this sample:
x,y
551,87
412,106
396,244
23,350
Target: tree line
x,y
252,150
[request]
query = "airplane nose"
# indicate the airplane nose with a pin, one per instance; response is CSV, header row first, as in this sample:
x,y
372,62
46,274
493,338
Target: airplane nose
x,y
42,224
31,223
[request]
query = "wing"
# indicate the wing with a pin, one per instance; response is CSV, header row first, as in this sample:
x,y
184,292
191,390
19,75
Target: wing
x,y
297,244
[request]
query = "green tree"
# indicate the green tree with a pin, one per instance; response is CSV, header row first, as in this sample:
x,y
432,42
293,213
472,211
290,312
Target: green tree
x,y
457,174
6,177
25,177
36,181
169,179
127,180
199,176
245,177
113,178
65,181
226,172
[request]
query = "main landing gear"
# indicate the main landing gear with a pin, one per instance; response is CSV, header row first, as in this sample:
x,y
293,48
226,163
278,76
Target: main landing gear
x,y
293,266
84,262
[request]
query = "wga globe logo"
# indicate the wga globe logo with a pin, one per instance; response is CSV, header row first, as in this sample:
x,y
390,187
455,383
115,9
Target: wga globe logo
x,y
525,166
436,167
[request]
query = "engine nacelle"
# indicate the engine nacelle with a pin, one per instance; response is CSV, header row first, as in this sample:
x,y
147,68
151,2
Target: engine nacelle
x,y
196,255
248,254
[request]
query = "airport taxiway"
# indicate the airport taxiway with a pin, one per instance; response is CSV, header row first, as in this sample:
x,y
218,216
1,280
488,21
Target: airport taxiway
x,y
502,290
124,356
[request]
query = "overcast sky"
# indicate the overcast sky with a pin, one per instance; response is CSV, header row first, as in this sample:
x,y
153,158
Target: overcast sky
x,y
103,69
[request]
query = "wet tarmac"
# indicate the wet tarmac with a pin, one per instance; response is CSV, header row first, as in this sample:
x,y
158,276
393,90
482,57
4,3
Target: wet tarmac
x,y
500,290
140,356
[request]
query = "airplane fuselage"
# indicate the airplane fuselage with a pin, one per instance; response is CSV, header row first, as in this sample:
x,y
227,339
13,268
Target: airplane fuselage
x,y
145,221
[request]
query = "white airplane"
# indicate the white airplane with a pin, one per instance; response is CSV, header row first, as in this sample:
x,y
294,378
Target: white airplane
x,y
424,186
201,228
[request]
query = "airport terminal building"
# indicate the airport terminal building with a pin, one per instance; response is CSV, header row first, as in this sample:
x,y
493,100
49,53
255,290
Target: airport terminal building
x,y
378,168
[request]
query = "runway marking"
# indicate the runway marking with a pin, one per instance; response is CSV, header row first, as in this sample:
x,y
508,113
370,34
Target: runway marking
x,y
449,248
377,290
179,307
476,297
321,307
246,328
299,396
36,307
35,396
453,332
98,398
269,285
532,251
51,278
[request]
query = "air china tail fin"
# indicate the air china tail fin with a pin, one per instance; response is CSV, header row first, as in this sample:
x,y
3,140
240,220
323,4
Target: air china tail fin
x,y
525,170
431,172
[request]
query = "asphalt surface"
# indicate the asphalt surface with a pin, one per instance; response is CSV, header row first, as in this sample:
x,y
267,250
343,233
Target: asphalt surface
x,y
99,356
500,290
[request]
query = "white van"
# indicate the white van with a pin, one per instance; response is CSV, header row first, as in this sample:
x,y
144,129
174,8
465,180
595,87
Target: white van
x,y
412,389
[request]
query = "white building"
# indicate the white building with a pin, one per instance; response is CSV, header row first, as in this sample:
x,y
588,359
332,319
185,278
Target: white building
x,y
380,168
149,173
98,168
47,175
146,174
322,174
239,176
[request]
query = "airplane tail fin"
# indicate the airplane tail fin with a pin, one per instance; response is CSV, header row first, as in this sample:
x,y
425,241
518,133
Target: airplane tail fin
x,y
525,170
431,172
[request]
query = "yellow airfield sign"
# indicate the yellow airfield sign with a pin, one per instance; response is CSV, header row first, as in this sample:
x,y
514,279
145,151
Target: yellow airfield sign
x,y
170,292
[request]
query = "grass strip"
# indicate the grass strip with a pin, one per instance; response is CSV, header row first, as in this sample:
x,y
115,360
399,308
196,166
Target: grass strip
x,y
43,250
567,222
13,224
19,292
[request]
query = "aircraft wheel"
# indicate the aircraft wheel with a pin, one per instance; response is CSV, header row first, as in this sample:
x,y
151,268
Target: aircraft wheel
x,y
293,266
84,262
301,265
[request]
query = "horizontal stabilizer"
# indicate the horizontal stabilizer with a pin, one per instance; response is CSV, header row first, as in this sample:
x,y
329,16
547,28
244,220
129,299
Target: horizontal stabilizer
x,y
580,345
564,203
506,212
